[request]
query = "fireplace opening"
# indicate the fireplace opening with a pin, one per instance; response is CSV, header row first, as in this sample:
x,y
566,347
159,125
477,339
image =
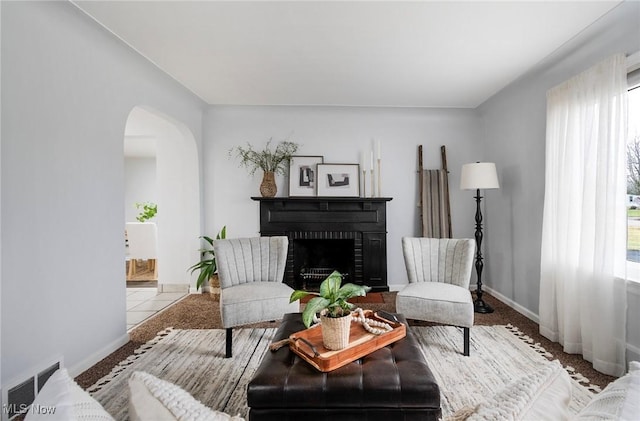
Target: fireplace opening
x,y
316,259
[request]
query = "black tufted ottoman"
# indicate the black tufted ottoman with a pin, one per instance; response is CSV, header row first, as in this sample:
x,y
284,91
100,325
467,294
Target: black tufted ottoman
x,y
392,383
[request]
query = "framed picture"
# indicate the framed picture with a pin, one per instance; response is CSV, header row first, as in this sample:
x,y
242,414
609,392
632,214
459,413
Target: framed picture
x,y
341,180
302,175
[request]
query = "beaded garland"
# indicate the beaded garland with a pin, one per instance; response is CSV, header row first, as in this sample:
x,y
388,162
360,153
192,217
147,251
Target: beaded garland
x,y
370,325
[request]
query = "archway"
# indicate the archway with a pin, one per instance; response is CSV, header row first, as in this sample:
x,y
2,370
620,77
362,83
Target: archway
x,y
177,193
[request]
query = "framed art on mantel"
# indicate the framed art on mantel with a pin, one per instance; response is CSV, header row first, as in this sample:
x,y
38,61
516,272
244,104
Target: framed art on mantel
x,y
303,175
341,180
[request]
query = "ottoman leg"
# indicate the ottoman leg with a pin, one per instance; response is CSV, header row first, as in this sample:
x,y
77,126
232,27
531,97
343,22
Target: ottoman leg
x,y
228,343
466,341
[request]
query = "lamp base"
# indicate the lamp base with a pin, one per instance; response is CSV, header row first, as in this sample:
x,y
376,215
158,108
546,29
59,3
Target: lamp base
x,y
479,306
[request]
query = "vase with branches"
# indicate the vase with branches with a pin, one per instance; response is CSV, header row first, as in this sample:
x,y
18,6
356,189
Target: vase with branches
x,y
270,161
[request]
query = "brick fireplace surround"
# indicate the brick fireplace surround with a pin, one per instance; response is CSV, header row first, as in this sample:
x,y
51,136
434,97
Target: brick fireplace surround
x,y
330,233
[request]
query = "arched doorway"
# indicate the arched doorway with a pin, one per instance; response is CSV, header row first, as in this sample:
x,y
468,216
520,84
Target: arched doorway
x,y
170,145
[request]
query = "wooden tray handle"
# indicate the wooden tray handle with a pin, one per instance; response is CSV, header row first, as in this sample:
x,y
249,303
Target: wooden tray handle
x,y
307,343
387,317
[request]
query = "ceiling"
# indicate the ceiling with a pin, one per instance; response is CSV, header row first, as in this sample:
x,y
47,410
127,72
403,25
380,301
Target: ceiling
x,y
359,53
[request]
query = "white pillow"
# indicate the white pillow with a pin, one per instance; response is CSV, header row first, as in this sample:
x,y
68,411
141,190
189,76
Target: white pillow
x,y
62,399
153,399
620,400
541,395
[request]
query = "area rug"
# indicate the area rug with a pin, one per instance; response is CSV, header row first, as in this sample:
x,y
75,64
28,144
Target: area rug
x,y
194,360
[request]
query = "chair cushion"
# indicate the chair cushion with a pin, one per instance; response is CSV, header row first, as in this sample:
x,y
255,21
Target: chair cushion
x,y
255,302
436,302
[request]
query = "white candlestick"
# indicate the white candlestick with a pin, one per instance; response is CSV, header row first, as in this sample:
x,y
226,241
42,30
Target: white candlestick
x,y
373,185
364,183
379,177
373,189
379,154
363,161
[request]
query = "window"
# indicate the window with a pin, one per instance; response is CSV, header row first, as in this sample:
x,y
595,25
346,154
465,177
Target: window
x,y
633,173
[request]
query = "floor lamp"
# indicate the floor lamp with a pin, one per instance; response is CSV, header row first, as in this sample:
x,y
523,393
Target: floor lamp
x,y
480,175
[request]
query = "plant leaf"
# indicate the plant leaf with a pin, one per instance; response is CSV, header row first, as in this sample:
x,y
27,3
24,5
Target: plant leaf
x,y
330,286
313,306
352,290
201,279
298,294
222,234
208,240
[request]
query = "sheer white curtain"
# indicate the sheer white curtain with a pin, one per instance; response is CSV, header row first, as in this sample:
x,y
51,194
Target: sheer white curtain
x,y
582,291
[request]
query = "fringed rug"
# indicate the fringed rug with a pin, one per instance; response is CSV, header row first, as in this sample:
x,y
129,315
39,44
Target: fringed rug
x,y
194,360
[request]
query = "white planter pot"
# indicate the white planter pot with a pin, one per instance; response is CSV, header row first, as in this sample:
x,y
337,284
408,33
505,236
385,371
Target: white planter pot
x,y
335,331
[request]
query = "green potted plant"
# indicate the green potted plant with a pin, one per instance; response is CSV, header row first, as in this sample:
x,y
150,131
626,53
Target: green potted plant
x,y
270,161
207,264
335,310
149,210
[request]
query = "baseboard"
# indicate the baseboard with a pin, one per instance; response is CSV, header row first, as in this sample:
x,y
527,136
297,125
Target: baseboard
x,y
633,287
396,287
517,307
633,353
92,359
173,287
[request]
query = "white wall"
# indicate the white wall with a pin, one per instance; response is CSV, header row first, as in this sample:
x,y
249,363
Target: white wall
x,y
178,199
68,87
1,387
514,123
139,185
340,134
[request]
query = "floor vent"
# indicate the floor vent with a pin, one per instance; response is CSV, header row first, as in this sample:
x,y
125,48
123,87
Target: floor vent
x,y
44,375
21,396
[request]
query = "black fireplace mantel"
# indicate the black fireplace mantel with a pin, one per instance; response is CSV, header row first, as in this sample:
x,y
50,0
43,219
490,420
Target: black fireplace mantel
x,y
362,220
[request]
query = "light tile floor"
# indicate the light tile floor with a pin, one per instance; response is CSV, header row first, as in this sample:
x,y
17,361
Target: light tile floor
x,y
143,303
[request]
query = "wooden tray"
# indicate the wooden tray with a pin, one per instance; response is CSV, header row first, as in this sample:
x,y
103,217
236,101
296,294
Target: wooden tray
x,y
308,343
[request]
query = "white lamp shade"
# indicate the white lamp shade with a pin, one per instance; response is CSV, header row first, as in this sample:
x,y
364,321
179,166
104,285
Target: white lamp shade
x,y
479,175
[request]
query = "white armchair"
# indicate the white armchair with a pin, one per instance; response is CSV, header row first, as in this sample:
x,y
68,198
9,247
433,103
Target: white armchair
x,y
142,238
439,272
251,271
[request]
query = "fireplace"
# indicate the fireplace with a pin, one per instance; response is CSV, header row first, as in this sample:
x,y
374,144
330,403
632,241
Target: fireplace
x,y
327,234
314,260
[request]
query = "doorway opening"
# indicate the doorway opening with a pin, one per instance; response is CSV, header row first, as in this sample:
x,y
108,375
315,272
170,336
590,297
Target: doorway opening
x,y
162,170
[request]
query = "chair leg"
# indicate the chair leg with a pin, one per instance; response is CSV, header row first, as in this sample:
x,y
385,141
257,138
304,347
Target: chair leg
x,y
465,331
228,341
132,267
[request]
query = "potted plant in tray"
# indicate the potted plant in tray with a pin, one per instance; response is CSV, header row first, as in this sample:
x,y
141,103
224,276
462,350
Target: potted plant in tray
x,y
271,162
335,310
207,264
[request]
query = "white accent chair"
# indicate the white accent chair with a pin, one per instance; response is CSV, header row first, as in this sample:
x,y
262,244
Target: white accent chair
x,y
251,271
142,238
439,271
